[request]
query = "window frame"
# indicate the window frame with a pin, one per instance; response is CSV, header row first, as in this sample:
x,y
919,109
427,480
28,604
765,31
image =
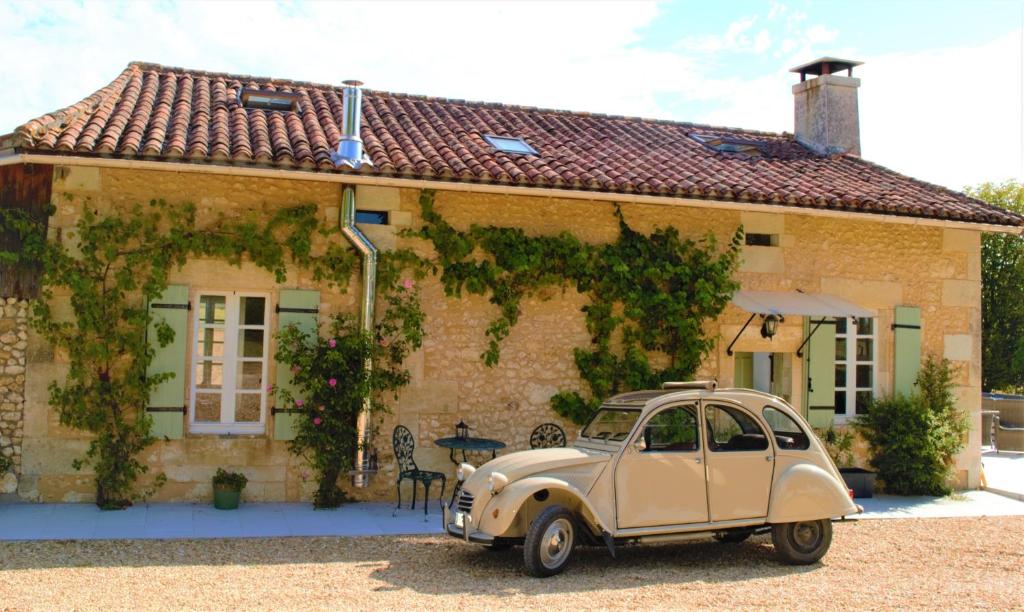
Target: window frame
x,y
694,409
229,388
799,429
850,410
712,445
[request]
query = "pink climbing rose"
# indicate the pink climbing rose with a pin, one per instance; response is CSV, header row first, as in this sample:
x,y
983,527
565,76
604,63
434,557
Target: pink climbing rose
x,y
298,403
332,343
296,369
333,382
407,283
317,421
270,388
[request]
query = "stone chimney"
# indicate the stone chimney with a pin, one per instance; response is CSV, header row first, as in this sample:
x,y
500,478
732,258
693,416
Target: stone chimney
x,y
826,117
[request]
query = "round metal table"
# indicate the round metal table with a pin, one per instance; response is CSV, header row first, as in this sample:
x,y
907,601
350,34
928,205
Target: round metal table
x,y
469,444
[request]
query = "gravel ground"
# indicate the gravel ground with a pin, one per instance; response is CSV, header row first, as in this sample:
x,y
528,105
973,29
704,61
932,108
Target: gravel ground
x,y
919,563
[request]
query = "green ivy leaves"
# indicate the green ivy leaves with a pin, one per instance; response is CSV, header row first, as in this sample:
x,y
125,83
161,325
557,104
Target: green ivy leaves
x,y
648,294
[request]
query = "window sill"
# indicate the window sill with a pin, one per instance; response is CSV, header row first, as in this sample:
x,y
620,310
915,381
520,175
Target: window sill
x,y
229,431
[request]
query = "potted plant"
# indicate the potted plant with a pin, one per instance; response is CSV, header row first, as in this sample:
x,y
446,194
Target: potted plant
x,y
227,489
839,445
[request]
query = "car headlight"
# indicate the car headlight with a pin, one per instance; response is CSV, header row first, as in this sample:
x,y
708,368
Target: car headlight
x,y
497,482
464,471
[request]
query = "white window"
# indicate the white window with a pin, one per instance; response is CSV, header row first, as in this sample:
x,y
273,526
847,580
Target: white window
x,y
856,351
229,363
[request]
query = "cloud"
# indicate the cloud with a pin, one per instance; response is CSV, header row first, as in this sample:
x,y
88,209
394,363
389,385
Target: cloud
x,y
946,115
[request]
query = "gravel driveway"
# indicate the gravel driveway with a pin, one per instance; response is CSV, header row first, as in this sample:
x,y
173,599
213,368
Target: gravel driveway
x,y
924,563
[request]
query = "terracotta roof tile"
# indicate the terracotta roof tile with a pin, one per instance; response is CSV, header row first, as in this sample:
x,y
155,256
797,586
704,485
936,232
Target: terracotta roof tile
x,y
155,112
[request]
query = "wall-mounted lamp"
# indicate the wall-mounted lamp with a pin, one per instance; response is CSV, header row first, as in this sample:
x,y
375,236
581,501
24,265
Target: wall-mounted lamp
x,y
770,325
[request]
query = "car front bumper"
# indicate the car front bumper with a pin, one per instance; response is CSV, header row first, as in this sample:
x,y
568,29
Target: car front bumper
x,y
466,533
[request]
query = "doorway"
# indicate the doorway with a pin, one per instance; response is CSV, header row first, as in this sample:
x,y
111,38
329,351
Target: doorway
x,y
767,372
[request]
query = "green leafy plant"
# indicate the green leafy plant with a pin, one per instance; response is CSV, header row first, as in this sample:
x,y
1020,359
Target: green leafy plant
x,y
234,481
838,444
913,440
104,273
5,464
648,294
332,382
1002,293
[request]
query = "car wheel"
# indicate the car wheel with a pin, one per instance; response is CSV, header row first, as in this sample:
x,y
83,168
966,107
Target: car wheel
x,y
802,543
549,542
732,537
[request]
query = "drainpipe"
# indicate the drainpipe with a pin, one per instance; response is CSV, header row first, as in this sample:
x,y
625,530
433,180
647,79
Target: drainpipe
x,y
350,153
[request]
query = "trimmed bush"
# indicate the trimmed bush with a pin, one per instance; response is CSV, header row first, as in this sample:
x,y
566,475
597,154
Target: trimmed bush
x,y
913,440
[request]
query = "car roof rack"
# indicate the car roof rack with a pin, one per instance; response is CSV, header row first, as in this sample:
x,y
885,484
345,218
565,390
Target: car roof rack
x,y
707,385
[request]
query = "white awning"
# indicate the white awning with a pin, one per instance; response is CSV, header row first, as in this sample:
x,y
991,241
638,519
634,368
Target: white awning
x,y
796,303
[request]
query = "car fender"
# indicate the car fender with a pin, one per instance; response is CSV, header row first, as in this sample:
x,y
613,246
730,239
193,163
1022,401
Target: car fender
x,y
805,492
502,510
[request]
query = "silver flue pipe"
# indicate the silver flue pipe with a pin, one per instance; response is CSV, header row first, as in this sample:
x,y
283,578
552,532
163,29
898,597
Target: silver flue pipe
x,y
350,153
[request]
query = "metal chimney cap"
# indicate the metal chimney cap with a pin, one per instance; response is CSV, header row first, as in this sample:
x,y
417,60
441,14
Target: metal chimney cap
x,y
352,83
825,65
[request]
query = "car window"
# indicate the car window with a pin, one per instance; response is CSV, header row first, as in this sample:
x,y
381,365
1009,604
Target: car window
x,y
610,424
674,429
787,433
730,429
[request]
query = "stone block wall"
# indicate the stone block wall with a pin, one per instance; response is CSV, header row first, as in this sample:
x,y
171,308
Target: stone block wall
x,y
13,347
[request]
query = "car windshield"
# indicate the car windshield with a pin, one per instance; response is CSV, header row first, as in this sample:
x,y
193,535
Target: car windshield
x,y
611,424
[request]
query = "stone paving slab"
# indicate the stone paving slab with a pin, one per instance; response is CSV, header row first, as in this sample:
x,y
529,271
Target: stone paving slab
x,y
26,521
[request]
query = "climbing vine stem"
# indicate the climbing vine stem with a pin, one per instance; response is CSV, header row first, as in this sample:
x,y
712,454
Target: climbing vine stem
x,y
650,296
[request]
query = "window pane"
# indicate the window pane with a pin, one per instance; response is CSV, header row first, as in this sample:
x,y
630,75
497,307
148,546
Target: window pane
x,y
840,402
247,408
864,375
730,429
211,309
863,401
211,342
209,375
250,375
865,326
252,310
840,374
864,349
840,349
208,407
841,325
250,343
672,430
787,433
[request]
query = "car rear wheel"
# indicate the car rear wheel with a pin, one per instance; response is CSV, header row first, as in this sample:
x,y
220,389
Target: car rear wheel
x,y
549,542
802,543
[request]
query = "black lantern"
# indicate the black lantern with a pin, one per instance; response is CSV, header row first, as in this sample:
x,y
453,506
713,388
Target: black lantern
x,y
770,325
461,430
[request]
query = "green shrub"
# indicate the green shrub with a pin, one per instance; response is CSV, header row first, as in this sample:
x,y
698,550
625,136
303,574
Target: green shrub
x,y
838,444
913,440
230,480
5,464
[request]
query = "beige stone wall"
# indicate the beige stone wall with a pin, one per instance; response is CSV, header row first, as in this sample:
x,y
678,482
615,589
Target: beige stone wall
x,y
877,265
13,347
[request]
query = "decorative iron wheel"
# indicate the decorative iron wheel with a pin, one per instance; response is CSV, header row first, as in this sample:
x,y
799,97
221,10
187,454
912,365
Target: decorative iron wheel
x,y
547,435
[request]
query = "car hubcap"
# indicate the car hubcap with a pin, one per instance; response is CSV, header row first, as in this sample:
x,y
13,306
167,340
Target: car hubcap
x,y
806,536
556,543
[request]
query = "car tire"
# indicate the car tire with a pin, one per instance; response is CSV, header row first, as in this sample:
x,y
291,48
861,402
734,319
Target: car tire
x,y
732,537
802,543
549,542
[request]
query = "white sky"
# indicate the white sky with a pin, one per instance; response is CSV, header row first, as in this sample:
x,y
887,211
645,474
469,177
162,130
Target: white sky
x,y
946,114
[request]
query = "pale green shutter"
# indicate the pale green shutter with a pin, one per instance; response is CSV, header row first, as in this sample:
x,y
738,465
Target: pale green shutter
x,y
167,400
907,341
294,307
821,372
744,376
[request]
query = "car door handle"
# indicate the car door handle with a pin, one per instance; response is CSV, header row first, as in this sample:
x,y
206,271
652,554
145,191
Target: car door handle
x,y
768,458
697,459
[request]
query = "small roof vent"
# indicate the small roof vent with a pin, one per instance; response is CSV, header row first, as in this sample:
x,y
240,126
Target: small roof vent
x,y
265,99
730,144
510,144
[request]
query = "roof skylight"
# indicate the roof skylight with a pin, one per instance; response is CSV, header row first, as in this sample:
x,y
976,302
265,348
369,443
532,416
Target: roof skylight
x,y
510,144
726,144
269,100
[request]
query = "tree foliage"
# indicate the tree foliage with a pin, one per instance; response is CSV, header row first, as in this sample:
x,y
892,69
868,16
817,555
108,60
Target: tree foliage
x,y
914,439
97,282
648,294
1002,294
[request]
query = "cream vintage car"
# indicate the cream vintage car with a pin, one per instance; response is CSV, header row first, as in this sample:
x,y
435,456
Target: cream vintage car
x,y
644,470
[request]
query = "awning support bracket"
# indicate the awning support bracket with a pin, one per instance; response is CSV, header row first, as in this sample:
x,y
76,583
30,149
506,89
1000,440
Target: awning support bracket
x,y
800,351
728,351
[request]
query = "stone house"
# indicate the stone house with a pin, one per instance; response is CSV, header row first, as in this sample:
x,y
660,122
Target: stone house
x,y
868,269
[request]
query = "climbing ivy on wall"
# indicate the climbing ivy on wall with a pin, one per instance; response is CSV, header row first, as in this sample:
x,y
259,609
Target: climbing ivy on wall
x,y
648,295
101,278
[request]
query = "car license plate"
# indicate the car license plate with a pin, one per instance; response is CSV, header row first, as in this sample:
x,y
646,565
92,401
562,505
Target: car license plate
x,y
460,519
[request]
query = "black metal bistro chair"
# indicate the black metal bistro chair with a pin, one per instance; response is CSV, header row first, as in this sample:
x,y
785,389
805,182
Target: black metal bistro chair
x,y
404,445
548,435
